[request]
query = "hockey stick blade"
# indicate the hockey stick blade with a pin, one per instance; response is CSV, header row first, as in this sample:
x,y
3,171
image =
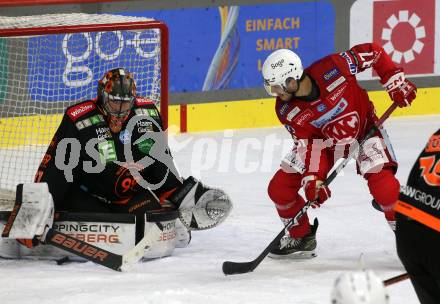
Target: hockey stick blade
x,y
238,268
244,267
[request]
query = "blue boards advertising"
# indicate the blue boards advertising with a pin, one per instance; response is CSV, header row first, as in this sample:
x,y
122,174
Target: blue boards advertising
x,y
211,48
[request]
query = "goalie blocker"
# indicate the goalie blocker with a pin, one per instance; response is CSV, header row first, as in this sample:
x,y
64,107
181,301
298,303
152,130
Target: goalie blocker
x,y
199,208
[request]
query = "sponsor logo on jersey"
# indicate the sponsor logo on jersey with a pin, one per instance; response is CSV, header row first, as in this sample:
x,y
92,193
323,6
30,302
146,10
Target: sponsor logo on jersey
x,y
79,110
283,108
321,107
305,115
140,112
351,65
335,96
103,133
146,145
292,113
344,129
96,119
107,151
427,199
330,115
83,124
143,101
152,112
336,83
144,126
80,125
124,137
330,74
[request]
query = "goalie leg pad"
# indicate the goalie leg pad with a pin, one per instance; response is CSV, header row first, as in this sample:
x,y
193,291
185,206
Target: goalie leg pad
x,y
201,207
112,232
32,213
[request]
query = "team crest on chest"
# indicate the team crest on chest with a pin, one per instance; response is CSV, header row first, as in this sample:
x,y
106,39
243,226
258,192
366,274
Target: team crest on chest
x,y
344,129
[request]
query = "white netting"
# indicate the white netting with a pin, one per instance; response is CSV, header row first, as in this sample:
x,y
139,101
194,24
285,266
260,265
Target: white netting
x,y
65,20
40,75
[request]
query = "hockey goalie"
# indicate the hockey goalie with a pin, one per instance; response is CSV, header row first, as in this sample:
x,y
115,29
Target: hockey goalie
x,y
108,178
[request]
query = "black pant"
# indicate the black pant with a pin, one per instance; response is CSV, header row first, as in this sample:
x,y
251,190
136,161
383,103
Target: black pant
x,y
418,247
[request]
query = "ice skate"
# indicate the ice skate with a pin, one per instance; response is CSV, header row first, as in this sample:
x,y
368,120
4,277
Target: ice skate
x,y
297,248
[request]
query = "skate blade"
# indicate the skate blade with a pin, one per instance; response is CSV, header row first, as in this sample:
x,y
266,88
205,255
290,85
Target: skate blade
x,y
302,255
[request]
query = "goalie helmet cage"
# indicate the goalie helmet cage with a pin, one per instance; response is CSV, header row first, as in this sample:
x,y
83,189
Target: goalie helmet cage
x,y
49,62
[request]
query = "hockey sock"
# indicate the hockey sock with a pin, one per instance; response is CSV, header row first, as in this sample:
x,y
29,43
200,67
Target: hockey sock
x,y
384,187
283,191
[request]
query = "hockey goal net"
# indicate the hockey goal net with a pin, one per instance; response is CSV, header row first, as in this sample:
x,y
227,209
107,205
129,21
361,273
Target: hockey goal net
x,y
49,62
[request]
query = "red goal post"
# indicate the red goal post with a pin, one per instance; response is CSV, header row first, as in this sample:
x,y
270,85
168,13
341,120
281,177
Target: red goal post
x,y
49,62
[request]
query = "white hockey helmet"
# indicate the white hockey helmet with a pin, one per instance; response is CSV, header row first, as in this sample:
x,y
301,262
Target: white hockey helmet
x,y
278,67
359,287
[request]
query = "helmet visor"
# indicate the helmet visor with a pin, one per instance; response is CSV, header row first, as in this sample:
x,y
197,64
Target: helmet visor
x,y
273,90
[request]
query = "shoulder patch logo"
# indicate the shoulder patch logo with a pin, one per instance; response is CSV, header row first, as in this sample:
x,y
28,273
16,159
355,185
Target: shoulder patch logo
x,y
330,74
143,101
79,110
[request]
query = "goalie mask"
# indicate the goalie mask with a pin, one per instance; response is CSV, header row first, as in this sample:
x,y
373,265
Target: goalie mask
x,y
278,68
116,95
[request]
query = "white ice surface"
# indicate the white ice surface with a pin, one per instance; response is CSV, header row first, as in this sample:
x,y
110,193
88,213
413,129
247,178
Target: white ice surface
x,y
349,227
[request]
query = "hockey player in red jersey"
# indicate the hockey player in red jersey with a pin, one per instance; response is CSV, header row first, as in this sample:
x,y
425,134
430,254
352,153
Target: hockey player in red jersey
x,y
325,110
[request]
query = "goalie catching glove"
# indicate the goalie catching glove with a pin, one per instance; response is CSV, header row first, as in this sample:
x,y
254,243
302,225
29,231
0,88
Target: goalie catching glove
x,y
200,207
32,215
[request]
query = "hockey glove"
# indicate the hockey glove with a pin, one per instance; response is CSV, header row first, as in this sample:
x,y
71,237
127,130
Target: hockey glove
x,y
401,90
315,190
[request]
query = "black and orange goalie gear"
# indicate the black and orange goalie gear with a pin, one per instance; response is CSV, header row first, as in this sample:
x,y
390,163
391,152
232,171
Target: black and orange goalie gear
x,y
115,233
419,199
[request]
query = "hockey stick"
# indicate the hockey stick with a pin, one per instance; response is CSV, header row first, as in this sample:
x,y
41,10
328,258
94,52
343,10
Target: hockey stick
x,y
396,279
244,267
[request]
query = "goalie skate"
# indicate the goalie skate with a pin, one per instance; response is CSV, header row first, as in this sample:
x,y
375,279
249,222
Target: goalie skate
x,y
297,248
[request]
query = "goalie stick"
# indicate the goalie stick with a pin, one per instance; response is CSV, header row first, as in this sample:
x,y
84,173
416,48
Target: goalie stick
x,y
97,255
230,268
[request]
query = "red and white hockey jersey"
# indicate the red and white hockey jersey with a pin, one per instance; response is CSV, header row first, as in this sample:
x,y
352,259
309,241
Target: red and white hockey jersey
x,y
343,111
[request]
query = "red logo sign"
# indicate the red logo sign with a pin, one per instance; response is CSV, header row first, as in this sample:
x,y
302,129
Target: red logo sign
x,y
143,101
406,31
79,110
343,129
